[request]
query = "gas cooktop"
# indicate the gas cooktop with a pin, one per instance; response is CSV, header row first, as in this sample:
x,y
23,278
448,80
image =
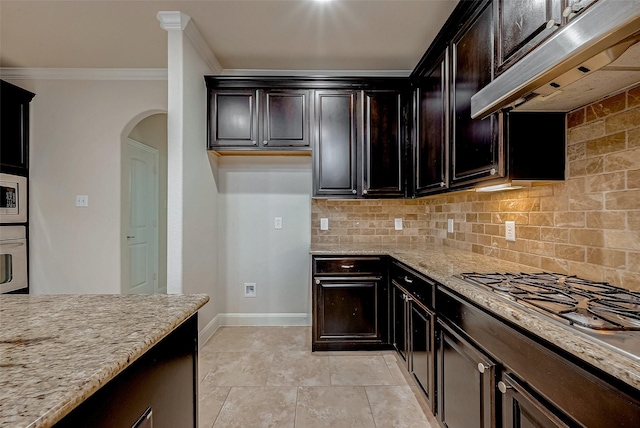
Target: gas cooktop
x,y
599,310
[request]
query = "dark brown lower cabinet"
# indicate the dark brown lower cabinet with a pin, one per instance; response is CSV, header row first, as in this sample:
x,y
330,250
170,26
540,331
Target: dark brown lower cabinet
x,y
421,348
522,408
349,304
399,321
466,382
413,327
347,309
164,381
539,385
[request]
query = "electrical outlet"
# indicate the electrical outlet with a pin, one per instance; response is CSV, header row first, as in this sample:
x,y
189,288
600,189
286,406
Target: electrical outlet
x,y
82,200
324,224
249,289
510,231
450,225
278,223
398,224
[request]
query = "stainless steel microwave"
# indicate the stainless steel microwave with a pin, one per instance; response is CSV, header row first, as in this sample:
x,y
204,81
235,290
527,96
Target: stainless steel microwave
x,y
13,198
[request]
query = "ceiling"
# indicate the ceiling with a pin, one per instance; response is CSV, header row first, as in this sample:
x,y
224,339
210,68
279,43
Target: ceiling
x,y
243,34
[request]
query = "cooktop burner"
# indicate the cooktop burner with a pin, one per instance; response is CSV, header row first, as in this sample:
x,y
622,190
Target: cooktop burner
x,y
591,304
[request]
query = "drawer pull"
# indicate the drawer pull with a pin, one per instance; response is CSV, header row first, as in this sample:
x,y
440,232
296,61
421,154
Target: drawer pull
x,y
408,280
347,266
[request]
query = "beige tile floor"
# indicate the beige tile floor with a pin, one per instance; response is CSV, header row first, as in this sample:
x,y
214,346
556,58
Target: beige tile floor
x,y
253,377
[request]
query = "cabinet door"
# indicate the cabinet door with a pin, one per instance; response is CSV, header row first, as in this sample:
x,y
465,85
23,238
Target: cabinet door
x,y
233,118
14,129
466,383
347,309
521,25
421,356
285,116
521,409
399,321
431,130
334,149
476,151
382,156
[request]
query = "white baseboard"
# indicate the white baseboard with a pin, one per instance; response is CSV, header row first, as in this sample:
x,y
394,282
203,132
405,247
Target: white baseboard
x,y
278,319
243,319
205,334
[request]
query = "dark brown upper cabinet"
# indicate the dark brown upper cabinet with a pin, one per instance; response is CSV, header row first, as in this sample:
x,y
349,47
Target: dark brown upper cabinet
x,y
234,118
431,133
14,129
521,25
258,118
476,145
383,151
334,150
285,118
360,142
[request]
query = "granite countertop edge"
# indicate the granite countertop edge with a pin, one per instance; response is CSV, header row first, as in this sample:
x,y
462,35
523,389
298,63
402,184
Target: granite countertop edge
x,y
621,365
184,307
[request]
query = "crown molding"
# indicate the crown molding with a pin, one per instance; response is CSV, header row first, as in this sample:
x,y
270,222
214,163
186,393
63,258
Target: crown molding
x,y
83,73
173,20
203,48
315,73
178,21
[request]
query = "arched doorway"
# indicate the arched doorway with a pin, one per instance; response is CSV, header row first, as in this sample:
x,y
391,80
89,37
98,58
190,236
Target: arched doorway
x,y
144,206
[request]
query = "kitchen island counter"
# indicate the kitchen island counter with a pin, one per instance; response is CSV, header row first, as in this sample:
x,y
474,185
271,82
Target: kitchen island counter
x,y
442,263
58,350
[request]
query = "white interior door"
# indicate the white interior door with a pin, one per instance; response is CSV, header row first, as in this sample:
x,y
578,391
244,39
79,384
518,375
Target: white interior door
x,y
142,236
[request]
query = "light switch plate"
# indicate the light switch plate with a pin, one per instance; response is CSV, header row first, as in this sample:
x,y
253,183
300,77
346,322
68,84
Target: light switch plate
x,y
82,200
510,231
450,225
398,224
324,224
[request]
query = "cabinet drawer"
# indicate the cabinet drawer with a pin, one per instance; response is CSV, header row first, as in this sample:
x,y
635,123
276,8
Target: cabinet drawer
x,y
347,266
420,288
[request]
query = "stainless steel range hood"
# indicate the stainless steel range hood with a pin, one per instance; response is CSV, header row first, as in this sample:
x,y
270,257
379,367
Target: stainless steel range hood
x,y
574,66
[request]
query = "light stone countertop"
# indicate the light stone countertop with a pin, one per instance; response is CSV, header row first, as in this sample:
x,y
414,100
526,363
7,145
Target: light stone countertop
x,y
441,263
57,350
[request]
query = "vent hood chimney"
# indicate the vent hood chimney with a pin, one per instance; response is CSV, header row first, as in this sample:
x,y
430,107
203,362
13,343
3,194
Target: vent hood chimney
x,y
594,55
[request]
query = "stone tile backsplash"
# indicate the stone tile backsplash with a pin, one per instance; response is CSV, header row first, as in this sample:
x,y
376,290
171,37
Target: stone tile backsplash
x,y
588,225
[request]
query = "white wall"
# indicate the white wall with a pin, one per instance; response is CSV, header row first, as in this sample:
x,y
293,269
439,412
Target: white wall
x,y
253,191
193,194
152,131
77,128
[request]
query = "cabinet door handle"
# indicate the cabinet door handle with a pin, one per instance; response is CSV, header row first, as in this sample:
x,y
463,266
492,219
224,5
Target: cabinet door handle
x,y
493,171
317,281
408,280
482,367
354,191
254,142
265,142
347,266
503,387
552,23
130,237
442,184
